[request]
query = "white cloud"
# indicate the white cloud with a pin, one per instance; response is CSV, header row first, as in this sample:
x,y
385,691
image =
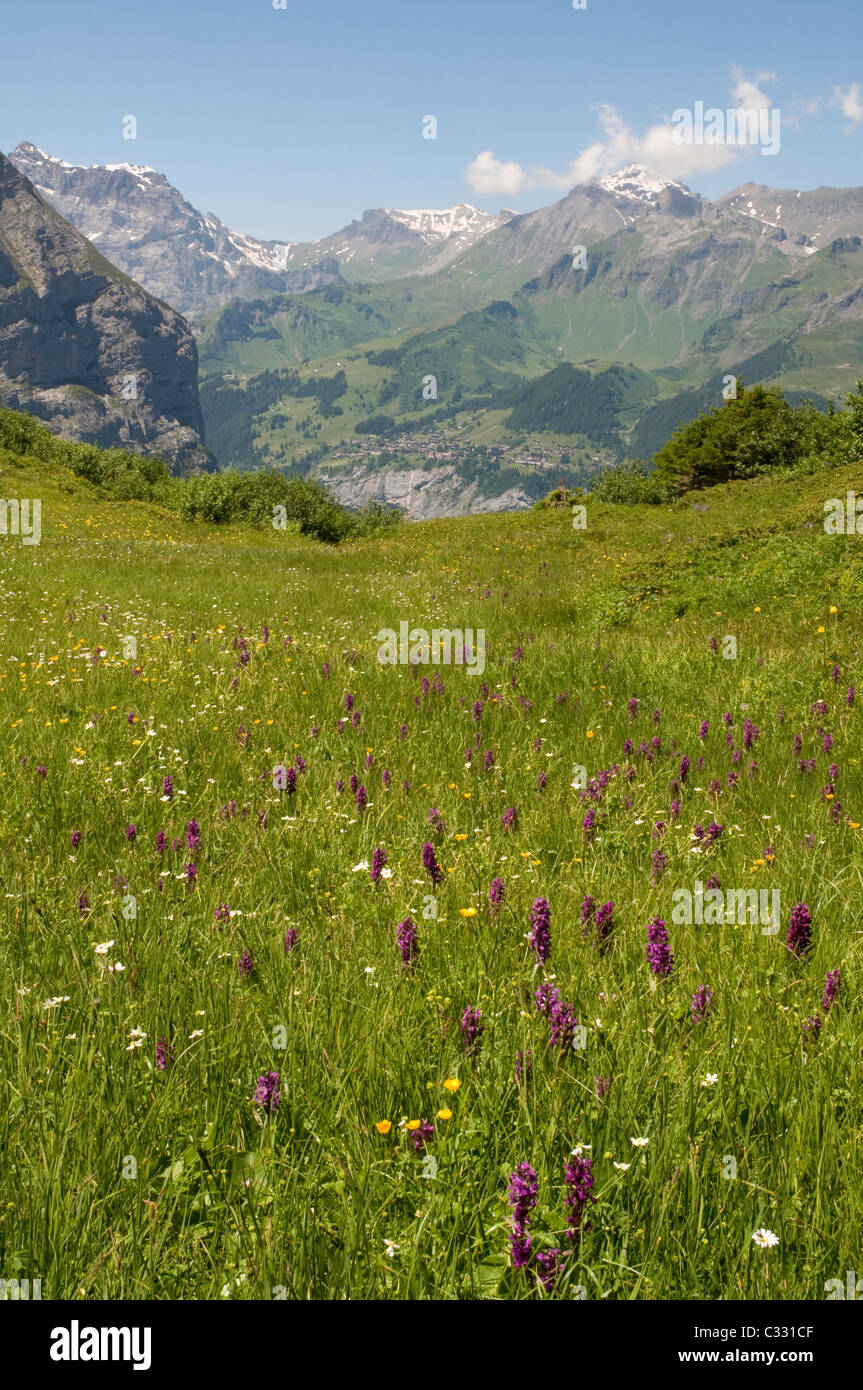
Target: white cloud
x,y
618,145
489,175
850,104
748,94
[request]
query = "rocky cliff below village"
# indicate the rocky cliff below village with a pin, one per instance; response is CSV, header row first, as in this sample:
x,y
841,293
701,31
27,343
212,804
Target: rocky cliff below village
x,y
423,494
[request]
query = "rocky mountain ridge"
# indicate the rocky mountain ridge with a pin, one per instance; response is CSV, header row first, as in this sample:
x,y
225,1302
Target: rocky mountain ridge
x,y
84,348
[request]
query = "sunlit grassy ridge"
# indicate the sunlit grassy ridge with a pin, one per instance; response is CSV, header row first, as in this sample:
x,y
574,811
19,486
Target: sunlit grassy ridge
x,y
304,1201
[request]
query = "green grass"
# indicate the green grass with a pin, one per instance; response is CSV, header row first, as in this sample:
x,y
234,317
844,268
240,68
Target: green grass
x,y
305,1200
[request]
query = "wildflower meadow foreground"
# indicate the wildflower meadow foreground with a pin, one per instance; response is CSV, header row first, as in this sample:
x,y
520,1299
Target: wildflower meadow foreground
x,y
328,976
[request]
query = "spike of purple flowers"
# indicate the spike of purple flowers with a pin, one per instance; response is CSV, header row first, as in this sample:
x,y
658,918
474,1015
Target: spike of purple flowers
x,y
548,1267
560,1015
472,1028
579,1182
799,939
496,895
523,1192
267,1093
406,936
811,1028
604,921
430,864
702,1004
659,954
832,989
540,936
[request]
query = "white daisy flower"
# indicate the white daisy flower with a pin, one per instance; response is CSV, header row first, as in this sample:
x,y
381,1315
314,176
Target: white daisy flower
x,y
764,1238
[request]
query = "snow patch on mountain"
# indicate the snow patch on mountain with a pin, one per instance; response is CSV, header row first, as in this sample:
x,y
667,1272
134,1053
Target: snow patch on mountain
x,y
637,181
438,225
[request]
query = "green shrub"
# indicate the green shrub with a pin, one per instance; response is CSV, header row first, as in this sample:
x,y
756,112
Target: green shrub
x,y
217,498
631,483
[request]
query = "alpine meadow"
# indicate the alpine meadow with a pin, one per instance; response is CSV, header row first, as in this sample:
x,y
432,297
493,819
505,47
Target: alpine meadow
x,y
431,681
304,951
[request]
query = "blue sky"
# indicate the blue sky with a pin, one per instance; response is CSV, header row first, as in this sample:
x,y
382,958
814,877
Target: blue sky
x,y
288,123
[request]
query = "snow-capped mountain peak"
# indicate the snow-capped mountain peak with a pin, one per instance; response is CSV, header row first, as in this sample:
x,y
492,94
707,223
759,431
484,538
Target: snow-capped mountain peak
x,y
637,181
28,152
436,225
144,226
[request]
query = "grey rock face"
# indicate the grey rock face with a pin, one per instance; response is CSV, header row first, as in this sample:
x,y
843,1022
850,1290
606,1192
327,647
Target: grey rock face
x,y
86,349
813,219
422,494
143,225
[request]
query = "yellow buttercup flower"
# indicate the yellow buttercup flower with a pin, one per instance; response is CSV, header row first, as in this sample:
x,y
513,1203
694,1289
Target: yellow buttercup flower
x,y
452,1085
444,1114
467,911
459,837
413,1124
384,1126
